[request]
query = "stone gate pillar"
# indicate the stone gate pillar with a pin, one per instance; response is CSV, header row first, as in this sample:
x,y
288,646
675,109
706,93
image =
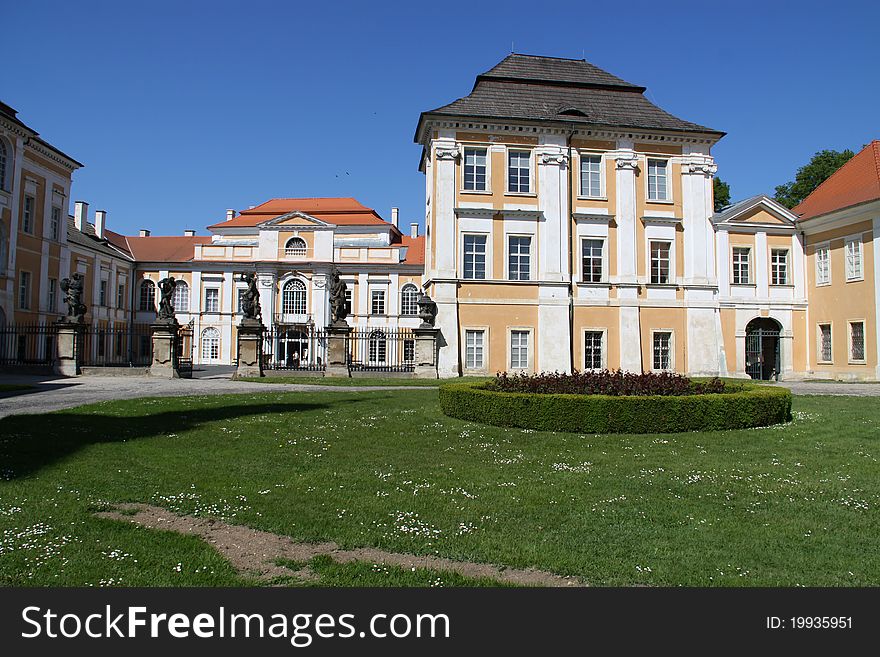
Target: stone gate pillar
x,y
68,344
250,348
426,352
337,350
164,338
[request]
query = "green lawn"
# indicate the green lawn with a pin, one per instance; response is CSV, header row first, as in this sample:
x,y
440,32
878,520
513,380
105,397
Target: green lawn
x,y
789,505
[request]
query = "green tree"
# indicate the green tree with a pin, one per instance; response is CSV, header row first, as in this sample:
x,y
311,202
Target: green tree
x,y
721,192
811,175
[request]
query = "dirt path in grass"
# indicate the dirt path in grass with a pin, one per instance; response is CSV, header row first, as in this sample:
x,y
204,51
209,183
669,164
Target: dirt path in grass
x,y
254,552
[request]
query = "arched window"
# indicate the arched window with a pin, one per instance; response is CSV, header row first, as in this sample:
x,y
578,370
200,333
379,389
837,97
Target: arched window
x,y
4,161
296,246
147,295
378,348
293,298
409,300
181,297
210,344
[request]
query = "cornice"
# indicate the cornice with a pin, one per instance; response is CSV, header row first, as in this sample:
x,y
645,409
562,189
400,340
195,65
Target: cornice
x,y
593,217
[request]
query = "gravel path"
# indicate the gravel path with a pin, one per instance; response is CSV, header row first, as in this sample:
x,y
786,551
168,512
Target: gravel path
x,y
832,388
254,552
52,394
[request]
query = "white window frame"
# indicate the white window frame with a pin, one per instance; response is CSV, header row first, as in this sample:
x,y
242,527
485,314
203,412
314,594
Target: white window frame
x,y
671,366
787,281
181,290
150,306
52,295
603,348
530,348
25,281
55,223
207,307
857,272
378,294
120,295
103,287
603,258
819,344
214,331
28,211
667,198
484,348
507,255
414,306
291,289
488,186
531,168
301,249
650,253
486,255
849,345
580,173
825,248
748,262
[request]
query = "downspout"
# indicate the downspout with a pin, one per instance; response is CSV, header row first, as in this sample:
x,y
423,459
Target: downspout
x,y
571,237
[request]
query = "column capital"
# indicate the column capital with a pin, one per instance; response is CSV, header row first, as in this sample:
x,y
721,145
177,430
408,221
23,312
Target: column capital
x,y
627,160
447,151
699,166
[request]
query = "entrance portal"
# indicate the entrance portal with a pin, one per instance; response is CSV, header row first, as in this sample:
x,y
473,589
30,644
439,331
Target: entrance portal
x,y
762,349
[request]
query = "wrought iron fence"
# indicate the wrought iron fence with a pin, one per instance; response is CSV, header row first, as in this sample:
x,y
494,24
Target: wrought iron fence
x,y
184,349
125,345
382,350
27,344
301,349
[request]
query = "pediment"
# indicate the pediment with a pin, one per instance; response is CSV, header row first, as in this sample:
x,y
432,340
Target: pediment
x,y
295,219
759,211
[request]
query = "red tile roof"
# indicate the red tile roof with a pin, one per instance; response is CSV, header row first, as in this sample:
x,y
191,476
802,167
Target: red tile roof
x,y
165,249
857,181
415,254
340,211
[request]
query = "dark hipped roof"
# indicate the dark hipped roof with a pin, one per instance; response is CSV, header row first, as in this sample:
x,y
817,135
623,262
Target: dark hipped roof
x,y
11,114
88,239
534,88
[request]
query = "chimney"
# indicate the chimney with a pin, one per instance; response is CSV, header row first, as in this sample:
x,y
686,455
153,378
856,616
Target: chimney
x,y
100,223
80,214
413,230
394,214
230,214
144,233
189,233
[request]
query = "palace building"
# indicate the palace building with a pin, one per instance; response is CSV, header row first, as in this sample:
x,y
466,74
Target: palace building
x,y
569,224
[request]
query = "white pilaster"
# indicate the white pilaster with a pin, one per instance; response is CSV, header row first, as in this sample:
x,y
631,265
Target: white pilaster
x,y
554,335
266,285
445,296
630,330
552,164
697,170
627,162
446,152
762,266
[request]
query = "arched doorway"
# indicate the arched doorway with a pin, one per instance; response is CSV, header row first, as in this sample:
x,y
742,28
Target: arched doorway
x,y
762,349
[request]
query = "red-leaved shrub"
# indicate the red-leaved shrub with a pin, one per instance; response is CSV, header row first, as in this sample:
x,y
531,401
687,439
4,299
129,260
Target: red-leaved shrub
x,y
604,382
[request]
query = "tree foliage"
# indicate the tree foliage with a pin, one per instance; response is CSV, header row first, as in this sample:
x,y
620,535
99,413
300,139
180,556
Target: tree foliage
x,y
721,192
811,175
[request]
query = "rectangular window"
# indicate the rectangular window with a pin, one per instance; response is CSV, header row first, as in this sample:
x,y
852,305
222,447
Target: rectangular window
x,y
474,342
377,302
212,300
519,350
823,265
741,269
239,297
660,262
56,222
824,343
662,350
120,296
518,172
853,250
475,169
52,300
591,253
102,294
591,175
779,267
593,350
24,290
27,215
519,257
475,256
658,180
857,341
348,303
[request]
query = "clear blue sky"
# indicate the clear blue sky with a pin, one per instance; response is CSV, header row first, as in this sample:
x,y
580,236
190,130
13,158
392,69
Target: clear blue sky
x,y
180,110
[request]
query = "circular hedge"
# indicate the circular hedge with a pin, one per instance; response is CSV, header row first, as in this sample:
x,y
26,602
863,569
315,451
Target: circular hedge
x,y
744,405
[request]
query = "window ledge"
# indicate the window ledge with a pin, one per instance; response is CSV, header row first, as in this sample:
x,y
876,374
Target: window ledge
x,y
592,284
662,285
521,194
788,285
744,284
662,202
828,284
485,192
592,198
857,362
855,280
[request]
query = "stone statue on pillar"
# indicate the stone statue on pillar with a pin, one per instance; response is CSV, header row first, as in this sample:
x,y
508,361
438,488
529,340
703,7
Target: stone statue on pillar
x,y
427,310
250,300
73,290
338,302
166,300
